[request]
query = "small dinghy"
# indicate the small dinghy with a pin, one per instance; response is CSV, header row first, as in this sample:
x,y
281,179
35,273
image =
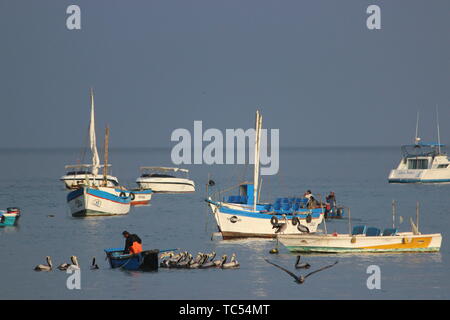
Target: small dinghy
x,y
145,261
9,217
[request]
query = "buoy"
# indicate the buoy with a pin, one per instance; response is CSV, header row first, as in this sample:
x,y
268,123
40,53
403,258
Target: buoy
x,y
273,251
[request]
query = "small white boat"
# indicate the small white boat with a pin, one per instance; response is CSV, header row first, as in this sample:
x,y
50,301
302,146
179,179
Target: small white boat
x,y
422,162
159,180
140,197
79,174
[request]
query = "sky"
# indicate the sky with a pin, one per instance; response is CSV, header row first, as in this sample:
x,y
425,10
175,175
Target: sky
x,y
312,67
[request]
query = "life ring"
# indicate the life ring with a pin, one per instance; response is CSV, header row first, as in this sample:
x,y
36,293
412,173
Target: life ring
x,y
123,195
295,221
132,196
302,228
308,218
274,220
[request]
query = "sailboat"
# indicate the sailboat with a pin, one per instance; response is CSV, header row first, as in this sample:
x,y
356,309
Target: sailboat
x,y
422,162
78,173
94,197
243,215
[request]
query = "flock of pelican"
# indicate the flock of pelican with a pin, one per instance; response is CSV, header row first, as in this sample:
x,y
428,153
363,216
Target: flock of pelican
x,y
185,260
74,265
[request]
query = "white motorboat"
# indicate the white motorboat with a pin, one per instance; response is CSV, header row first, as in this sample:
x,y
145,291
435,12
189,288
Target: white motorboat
x,y
165,180
422,162
78,174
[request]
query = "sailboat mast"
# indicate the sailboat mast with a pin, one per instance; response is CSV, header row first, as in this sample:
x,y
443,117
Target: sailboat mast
x,y
438,131
258,125
417,139
92,138
105,167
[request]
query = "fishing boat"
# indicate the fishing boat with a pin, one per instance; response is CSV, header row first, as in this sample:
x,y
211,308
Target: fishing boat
x,y
362,239
372,240
9,217
91,199
140,197
78,174
145,260
422,162
243,215
165,180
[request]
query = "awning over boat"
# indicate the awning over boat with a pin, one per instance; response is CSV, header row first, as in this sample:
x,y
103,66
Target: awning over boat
x,y
71,166
165,169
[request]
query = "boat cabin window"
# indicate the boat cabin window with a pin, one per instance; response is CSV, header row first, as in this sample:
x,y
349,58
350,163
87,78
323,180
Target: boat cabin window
x,y
442,166
157,175
417,163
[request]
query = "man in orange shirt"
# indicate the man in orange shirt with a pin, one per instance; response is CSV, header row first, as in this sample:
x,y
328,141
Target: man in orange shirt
x,y
133,244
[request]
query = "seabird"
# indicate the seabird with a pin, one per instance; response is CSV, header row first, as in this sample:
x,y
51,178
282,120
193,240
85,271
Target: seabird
x,y
300,279
94,266
301,266
232,264
43,267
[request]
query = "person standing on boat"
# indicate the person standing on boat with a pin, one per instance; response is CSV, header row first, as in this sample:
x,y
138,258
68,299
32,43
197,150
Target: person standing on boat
x,y
308,194
331,199
133,244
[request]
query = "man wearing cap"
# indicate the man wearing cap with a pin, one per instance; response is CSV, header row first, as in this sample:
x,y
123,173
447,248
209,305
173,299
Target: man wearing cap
x,y
133,244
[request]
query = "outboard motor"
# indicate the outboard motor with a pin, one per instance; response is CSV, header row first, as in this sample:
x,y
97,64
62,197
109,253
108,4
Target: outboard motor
x,y
150,260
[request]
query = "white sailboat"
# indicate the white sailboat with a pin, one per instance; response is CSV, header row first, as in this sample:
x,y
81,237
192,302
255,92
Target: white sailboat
x,y
77,174
244,216
422,162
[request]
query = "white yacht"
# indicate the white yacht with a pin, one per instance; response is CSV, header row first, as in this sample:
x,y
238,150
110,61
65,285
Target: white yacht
x,y
165,180
422,162
78,174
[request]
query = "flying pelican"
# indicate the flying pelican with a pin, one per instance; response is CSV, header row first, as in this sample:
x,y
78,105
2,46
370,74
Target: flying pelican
x,y
301,266
300,279
43,267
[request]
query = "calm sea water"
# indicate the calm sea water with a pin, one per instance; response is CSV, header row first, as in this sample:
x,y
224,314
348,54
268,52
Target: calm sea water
x,y
29,180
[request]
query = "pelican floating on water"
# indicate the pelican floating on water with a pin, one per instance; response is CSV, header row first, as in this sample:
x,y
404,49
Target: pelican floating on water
x,y
301,266
43,267
230,265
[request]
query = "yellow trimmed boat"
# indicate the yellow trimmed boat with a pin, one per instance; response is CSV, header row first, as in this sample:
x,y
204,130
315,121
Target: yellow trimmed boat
x,y
344,243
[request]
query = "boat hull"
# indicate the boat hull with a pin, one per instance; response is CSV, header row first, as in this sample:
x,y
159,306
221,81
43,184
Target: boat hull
x,y
234,223
102,201
402,242
141,197
166,185
146,260
8,219
419,176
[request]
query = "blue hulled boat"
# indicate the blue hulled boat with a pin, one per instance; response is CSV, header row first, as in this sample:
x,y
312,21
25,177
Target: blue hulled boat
x,y
146,260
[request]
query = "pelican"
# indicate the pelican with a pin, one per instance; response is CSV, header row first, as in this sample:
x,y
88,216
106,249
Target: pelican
x,y
43,267
300,279
219,262
281,227
232,264
74,265
94,266
185,262
301,266
207,263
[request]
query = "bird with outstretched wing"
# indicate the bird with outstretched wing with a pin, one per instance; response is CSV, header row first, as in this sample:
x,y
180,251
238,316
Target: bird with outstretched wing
x,y
300,279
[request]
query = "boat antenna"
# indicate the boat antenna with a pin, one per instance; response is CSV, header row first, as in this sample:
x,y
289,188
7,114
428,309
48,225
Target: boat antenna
x,y
393,214
417,139
438,132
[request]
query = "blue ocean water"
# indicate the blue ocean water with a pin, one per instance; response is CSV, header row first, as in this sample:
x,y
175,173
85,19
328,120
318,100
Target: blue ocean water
x,y
358,176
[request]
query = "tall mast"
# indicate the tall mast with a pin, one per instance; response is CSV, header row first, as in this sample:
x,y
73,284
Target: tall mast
x,y
258,125
438,132
105,167
92,138
417,139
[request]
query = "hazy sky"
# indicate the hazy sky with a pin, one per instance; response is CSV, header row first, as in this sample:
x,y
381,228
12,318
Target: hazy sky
x,y
312,67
